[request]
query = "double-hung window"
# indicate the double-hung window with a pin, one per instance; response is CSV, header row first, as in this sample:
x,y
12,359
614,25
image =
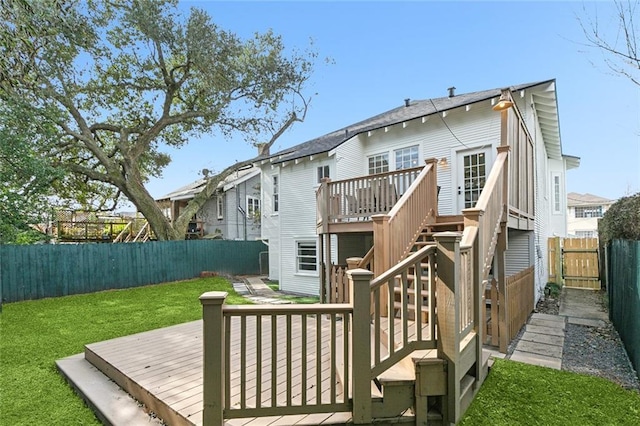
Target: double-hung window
x,y
220,204
323,172
306,257
276,194
253,207
406,157
379,163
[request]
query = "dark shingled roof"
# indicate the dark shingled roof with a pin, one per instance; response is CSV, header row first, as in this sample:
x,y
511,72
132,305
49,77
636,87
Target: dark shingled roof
x,y
416,109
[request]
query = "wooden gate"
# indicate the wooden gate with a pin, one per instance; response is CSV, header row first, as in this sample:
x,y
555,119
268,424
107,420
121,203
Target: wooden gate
x,y
574,262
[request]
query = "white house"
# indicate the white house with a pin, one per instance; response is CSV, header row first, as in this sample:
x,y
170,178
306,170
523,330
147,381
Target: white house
x,y
233,213
462,132
583,213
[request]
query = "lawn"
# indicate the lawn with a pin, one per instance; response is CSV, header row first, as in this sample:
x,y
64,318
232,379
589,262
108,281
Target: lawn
x,y
522,394
34,334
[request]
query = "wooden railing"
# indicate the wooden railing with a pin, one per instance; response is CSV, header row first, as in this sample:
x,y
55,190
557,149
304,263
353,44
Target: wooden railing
x,y
88,230
398,337
338,285
281,360
360,198
395,233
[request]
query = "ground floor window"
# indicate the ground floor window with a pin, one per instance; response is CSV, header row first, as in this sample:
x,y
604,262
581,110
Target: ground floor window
x,y
306,256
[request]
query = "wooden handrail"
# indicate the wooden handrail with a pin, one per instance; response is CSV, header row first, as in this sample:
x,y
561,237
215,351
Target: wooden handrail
x,y
122,233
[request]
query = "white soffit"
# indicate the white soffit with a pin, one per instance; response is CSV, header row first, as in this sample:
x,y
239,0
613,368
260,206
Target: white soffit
x,y
546,107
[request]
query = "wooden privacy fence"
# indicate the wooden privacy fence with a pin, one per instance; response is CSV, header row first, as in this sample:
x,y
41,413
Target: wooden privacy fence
x,y
39,271
518,299
574,262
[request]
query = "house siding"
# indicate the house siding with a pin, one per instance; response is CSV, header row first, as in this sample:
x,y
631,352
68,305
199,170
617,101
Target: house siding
x,y
271,220
232,225
519,256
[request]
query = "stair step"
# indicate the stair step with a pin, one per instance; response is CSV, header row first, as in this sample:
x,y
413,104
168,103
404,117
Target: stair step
x,y
397,374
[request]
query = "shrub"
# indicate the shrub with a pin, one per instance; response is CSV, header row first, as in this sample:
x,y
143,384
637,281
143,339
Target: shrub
x,y
622,220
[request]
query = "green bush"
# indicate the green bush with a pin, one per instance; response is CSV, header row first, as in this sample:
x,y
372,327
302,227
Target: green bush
x,y
622,220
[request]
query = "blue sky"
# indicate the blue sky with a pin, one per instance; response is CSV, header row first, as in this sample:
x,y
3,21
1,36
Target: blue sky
x,y
384,52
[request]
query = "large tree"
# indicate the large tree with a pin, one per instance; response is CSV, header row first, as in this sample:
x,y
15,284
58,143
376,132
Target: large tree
x,y
120,79
618,39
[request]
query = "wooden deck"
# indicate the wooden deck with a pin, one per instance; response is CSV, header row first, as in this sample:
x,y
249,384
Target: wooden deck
x,y
163,369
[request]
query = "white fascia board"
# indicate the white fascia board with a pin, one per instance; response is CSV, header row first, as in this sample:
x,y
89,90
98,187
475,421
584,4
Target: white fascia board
x,y
238,181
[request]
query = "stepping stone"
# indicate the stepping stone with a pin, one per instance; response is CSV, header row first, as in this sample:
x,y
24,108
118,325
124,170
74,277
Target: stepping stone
x,y
539,348
536,359
547,339
586,321
547,323
554,331
548,317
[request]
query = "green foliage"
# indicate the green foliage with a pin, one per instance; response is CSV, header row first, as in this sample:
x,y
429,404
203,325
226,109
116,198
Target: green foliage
x,y
521,394
37,333
552,289
621,220
119,81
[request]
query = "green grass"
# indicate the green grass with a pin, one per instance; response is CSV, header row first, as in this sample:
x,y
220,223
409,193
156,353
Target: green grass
x,y
521,394
33,334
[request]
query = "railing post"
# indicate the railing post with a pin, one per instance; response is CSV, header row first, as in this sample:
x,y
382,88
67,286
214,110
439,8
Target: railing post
x,y
381,255
214,350
433,184
353,262
448,317
360,287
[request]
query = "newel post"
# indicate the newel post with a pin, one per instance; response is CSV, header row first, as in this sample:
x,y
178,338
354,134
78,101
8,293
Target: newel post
x,y
360,284
213,365
381,254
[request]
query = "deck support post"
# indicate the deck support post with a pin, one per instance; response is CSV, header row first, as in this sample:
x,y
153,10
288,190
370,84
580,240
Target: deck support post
x,y
213,365
381,256
503,300
360,284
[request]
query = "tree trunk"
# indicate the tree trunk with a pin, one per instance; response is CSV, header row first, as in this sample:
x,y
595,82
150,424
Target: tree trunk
x,y
146,205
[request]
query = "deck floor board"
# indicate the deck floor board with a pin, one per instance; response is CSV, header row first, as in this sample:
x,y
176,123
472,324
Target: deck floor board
x,y
167,365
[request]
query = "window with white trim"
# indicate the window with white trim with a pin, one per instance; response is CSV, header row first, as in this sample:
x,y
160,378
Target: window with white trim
x,y
586,234
220,203
588,212
306,257
556,194
276,193
406,157
253,207
379,163
323,172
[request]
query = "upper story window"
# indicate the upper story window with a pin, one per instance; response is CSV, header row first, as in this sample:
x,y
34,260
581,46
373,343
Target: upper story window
x,y
220,203
406,157
588,211
253,207
276,193
379,163
323,172
556,194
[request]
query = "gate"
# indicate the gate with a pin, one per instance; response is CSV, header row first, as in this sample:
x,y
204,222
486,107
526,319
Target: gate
x,y
574,262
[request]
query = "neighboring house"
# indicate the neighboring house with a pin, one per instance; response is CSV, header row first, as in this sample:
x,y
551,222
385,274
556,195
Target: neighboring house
x,y
462,132
232,213
583,213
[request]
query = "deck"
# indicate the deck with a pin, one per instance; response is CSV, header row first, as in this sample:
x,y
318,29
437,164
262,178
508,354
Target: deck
x,y
163,369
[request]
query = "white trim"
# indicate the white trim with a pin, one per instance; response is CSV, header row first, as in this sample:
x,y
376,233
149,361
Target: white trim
x,y
556,207
304,272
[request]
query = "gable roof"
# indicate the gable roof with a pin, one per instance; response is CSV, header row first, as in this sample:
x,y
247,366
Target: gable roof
x,y
575,199
189,191
415,109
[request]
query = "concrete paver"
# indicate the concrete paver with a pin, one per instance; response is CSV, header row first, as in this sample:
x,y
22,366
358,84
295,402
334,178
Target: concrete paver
x,y
586,321
554,331
547,339
537,359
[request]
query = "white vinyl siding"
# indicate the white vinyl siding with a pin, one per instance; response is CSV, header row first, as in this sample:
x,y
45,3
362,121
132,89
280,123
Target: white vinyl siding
x,y
519,256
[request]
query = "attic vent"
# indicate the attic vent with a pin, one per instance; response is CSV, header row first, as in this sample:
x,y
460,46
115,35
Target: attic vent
x,y
406,102
451,91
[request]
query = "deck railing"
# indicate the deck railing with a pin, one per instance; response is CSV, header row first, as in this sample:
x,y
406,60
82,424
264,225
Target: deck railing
x,y
395,233
360,198
282,360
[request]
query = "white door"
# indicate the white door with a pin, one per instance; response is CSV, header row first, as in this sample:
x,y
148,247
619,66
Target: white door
x,y
473,167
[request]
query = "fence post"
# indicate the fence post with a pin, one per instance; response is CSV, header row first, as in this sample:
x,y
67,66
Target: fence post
x,y
213,368
360,284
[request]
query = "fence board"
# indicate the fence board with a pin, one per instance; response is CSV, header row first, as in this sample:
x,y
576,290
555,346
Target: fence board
x,y
38,271
580,262
624,294
520,297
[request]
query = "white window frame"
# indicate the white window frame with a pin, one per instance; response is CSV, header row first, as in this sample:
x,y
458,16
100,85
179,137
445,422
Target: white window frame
x,y
323,172
253,205
220,207
556,193
410,151
276,193
378,163
303,259
588,212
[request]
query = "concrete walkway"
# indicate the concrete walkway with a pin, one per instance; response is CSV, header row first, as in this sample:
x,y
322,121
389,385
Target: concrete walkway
x,y
254,289
543,338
